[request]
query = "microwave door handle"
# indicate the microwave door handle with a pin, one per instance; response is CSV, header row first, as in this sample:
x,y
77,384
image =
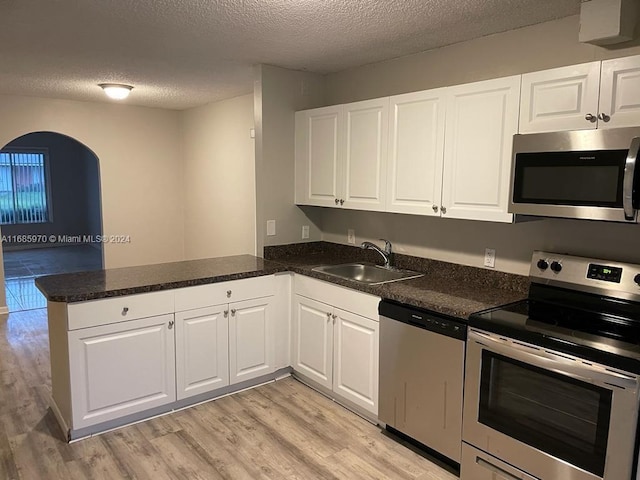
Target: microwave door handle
x,y
629,176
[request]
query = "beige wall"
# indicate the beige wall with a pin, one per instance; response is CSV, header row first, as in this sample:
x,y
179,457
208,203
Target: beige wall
x,y
278,94
528,49
140,168
219,165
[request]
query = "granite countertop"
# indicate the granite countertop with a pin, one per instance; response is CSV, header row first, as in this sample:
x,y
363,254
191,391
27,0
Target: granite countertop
x,y
82,286
446,288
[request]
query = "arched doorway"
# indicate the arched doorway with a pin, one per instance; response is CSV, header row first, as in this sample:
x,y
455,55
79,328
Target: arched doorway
x,y
50,212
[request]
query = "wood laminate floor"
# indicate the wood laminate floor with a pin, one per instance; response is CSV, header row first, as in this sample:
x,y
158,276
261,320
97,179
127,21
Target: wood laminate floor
x,y
282,430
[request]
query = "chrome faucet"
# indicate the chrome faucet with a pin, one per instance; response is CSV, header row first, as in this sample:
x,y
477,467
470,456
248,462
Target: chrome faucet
x,y
386,253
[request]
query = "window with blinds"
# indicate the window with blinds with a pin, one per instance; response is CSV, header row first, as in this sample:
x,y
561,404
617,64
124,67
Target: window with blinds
x,y
23,187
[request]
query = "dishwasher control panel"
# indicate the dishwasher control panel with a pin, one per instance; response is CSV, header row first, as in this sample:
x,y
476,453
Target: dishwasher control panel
x,y
424,319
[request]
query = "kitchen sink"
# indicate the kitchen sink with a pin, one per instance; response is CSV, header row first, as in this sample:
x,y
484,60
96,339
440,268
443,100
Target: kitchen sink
x,y
367,273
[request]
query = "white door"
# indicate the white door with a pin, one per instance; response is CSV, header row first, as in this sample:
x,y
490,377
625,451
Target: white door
x,y
251,341
416,149
313,340
481,120
620,93
120,369
317,157
355,359
202,350
365,154
563,98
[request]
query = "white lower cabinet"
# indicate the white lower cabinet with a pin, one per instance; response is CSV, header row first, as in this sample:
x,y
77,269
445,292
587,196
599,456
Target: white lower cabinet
x,y
121,369
337,349
202,350
251,342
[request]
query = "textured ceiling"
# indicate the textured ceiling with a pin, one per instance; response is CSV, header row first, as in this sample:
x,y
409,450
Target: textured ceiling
x,y
184,53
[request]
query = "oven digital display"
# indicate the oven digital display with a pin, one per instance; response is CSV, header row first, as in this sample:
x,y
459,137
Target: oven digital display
x,y
605,273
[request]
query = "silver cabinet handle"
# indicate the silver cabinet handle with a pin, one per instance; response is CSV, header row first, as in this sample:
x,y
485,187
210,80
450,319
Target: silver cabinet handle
x,y
337,201
443,209
233,312
341,201
226,313
171,324
328,316
435,208
334,316
604,117
228,293
125,310
629,176
590,117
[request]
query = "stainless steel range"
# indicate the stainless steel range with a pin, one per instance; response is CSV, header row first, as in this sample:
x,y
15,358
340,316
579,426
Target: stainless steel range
x,y
552,382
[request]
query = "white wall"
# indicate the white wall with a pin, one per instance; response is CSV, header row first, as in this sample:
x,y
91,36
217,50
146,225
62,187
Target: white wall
x,y
532,48
278,94
140,168
219,190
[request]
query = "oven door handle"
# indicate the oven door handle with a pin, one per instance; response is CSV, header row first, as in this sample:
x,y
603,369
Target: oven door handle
x,y
628,186
558,363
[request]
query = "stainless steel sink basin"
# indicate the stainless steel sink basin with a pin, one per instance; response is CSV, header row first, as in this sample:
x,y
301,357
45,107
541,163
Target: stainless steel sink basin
x,y
367,273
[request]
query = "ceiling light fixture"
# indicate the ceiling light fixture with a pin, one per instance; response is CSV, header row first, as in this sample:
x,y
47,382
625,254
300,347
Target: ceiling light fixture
x,y
117,91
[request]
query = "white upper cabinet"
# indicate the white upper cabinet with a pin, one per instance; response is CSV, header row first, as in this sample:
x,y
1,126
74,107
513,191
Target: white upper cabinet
x,y
416,148
365,154
482,118
591,95
341,155
620,93
560,99
318,156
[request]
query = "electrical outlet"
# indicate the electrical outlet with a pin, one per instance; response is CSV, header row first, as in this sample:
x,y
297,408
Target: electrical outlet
x,y
351,236
305,231
489,257
271,228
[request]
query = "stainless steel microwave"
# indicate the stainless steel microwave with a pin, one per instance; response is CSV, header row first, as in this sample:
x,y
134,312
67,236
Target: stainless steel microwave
x,y
585,174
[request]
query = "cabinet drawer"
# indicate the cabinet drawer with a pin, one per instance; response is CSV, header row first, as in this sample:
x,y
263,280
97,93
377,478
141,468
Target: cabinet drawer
x,y
224,292
347,299
119,309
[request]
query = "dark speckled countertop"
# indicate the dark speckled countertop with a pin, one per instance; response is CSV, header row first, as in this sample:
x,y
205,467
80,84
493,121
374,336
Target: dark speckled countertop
x,y
78,287
447,288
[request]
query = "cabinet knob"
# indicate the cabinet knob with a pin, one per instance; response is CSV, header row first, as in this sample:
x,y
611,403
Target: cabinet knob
x,y
604,117
435,208
171,324
233,312
337,201
125,310
443,209
226,313
590,117
328,316
334,316
228,293
341,201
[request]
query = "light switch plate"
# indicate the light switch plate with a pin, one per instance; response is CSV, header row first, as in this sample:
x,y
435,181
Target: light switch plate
x,y
489,257
271,228
305,231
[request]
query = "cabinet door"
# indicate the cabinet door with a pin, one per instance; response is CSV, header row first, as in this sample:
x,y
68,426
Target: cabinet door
x,y
481,121
365,154
620,93
416,148
120,369
318,163
312,336
560,99
355,359
202,350
251,341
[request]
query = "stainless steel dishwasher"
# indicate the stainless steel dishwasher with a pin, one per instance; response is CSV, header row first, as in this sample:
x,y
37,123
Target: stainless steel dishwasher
x,y
421,376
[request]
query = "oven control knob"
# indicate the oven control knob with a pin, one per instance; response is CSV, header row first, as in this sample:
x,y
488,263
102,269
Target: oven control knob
x,y
556,266
637,279
543,264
